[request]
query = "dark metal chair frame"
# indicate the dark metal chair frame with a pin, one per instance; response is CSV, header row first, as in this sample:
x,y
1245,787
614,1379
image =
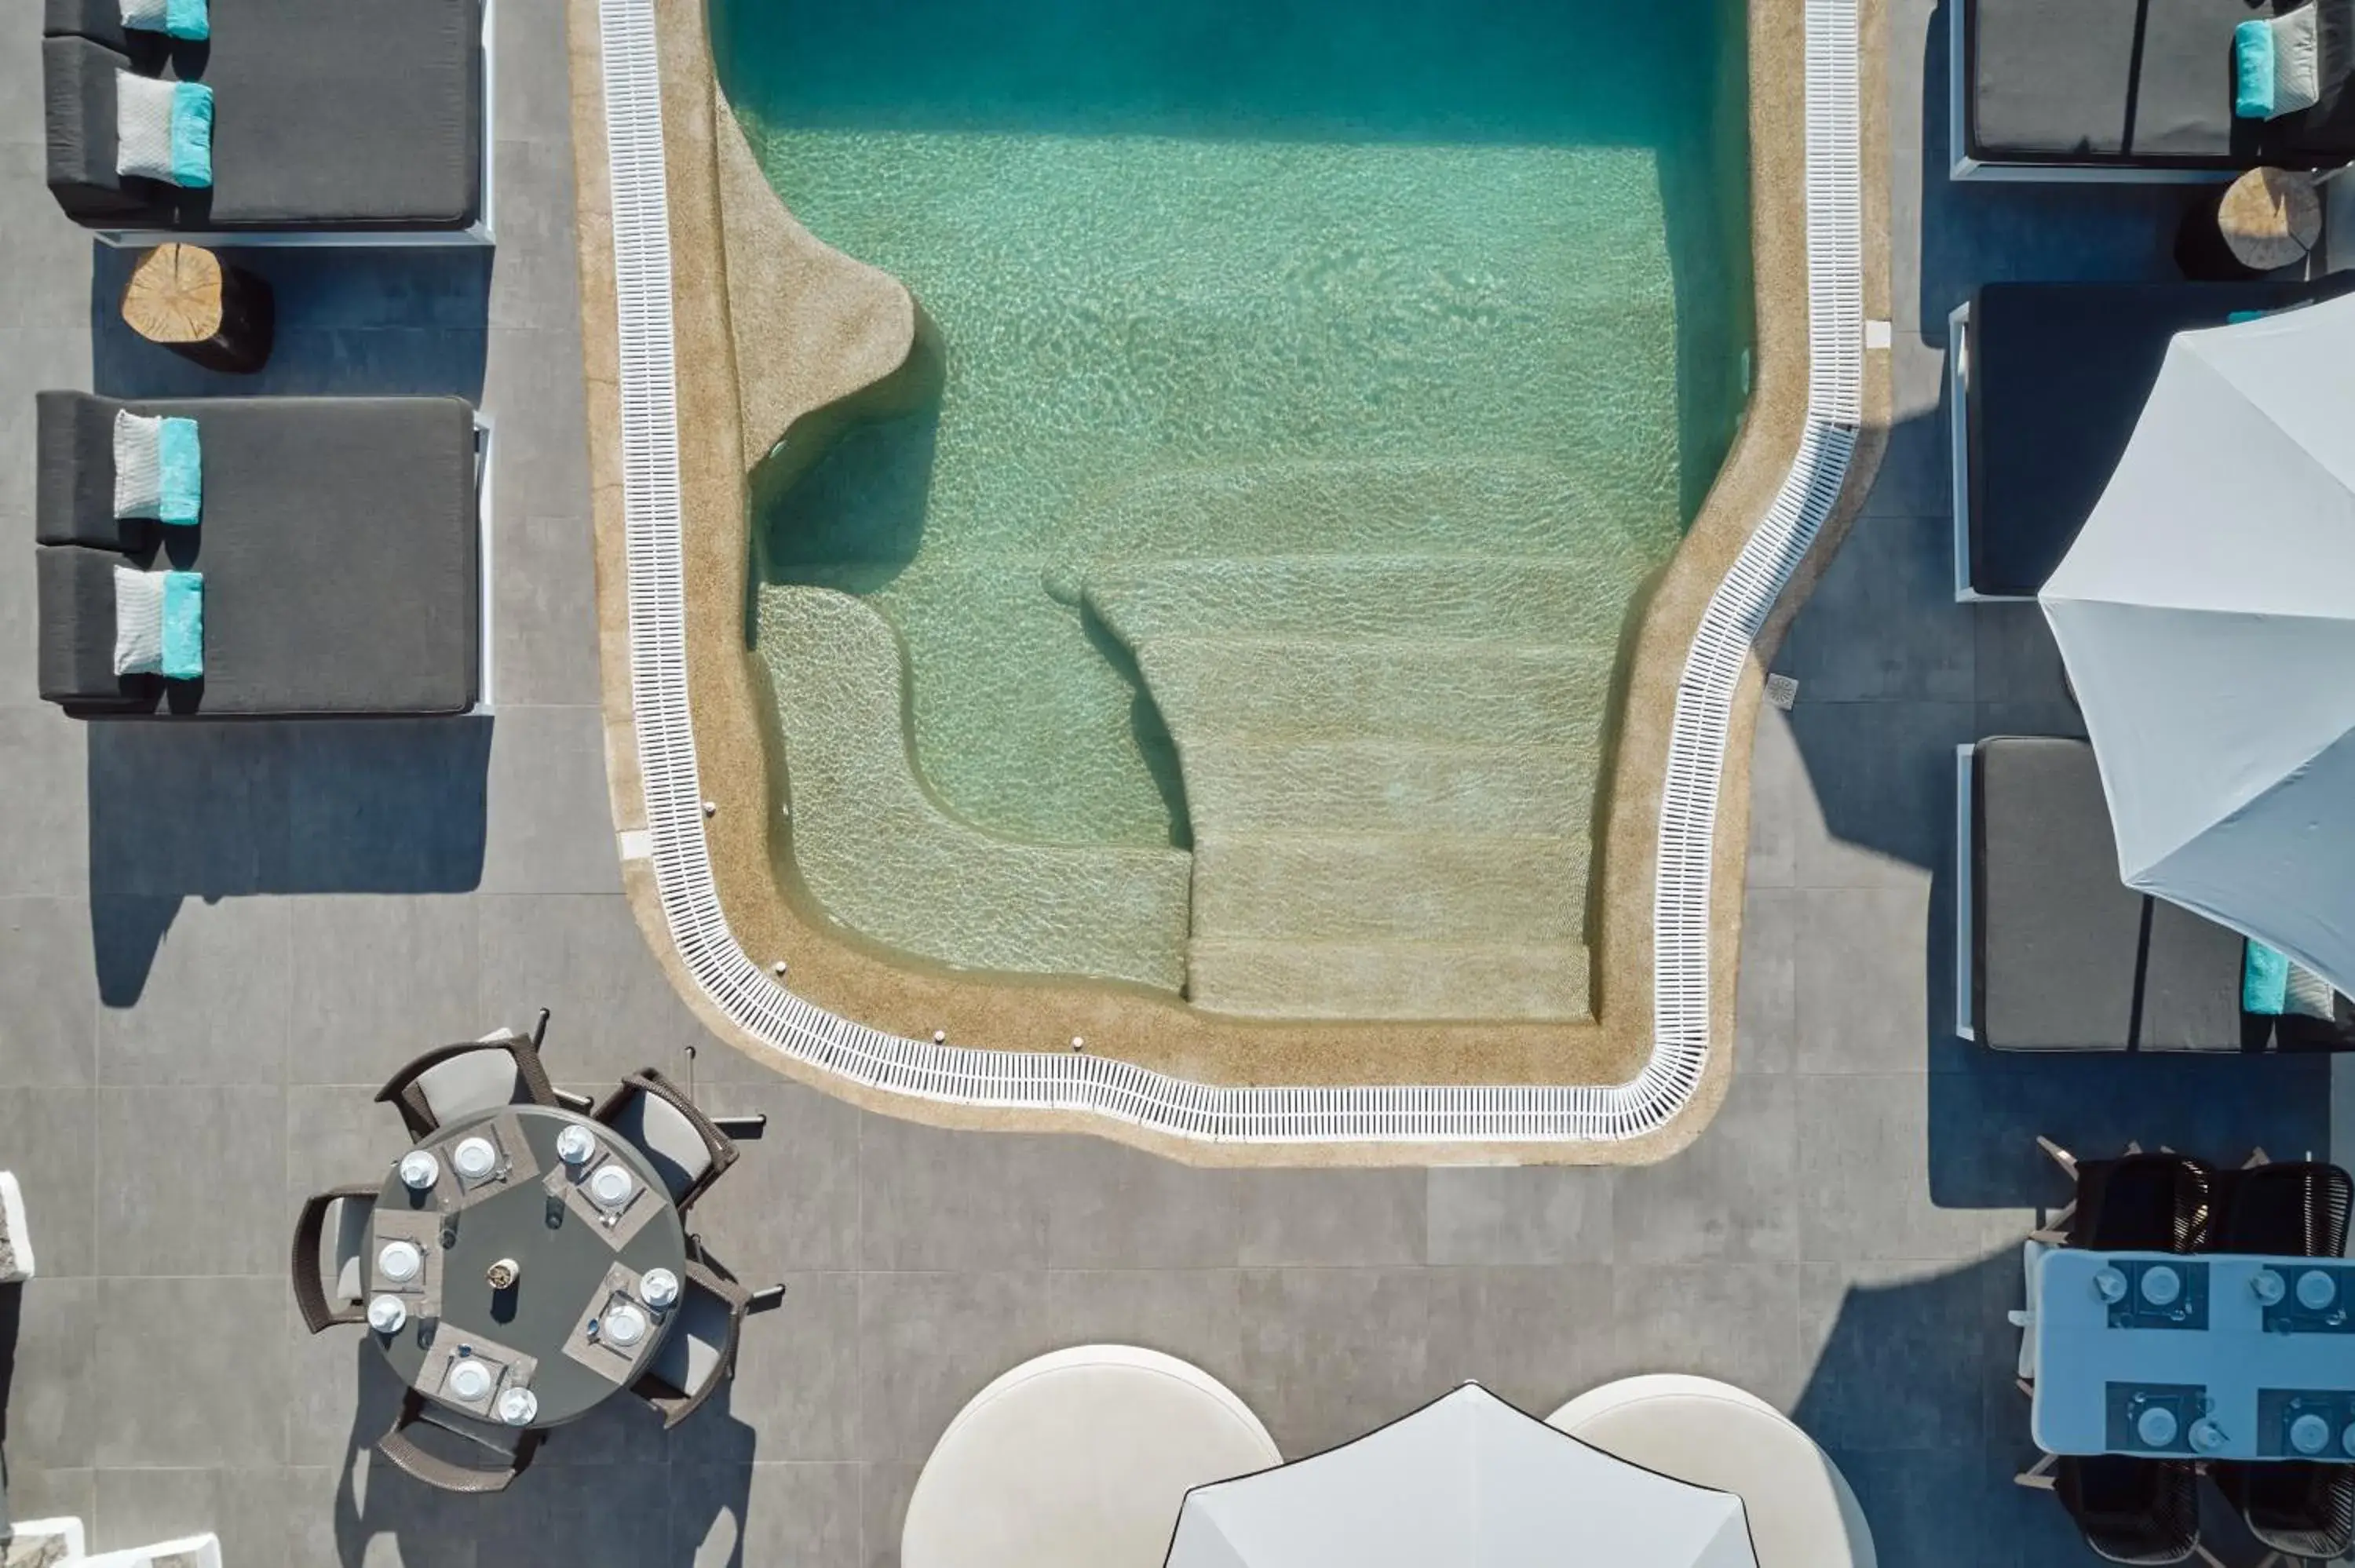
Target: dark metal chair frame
x,y
2293,1209
2132,1509
402,1090
2136,1202
716,1142
676,1405
445,1474
2297,1506
304,1264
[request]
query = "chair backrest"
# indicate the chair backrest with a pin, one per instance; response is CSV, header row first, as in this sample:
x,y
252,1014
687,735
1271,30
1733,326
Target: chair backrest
x,y
2296,1507
473,1076
309,1263
2132,1509
2143,1203
2295,1209
680,1143
447,1473
699,1352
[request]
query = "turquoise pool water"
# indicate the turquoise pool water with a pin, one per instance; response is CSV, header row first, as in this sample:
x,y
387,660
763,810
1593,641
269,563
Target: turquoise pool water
x,y
1320,384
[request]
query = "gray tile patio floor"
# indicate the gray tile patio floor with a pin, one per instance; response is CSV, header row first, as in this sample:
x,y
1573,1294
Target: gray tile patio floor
x,y
212,995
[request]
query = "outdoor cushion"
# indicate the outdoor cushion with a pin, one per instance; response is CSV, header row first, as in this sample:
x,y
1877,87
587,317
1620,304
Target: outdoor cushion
x,y
138,622
2276,65
308,98
350,1225
74,487
691,1357
2059,373
340,564
79,117
2067,955
184,626
100,21
2136,82
668,1140
76,656
163,130
472,1083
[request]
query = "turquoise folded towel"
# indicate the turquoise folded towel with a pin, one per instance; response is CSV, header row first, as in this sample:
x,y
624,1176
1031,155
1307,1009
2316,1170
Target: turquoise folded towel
x,y
192,134
187,19
179,461
2253,69
2264,980
184,625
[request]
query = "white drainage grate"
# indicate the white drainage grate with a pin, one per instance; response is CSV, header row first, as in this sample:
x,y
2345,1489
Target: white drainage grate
x,y
1078,1081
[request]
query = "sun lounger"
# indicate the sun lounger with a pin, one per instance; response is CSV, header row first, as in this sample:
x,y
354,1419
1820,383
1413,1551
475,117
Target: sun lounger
x,y
2123,90
343,546
359,121
2053,952
2046,382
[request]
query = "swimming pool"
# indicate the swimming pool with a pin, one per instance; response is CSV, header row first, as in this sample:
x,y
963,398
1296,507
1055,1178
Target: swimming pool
x,y
1309,393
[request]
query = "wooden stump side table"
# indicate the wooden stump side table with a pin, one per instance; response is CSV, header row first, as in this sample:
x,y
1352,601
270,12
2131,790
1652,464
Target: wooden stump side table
x,y
200,307
2270,218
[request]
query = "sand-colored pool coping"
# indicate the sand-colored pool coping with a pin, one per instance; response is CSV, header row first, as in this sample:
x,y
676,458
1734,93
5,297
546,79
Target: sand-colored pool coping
x,y
847,978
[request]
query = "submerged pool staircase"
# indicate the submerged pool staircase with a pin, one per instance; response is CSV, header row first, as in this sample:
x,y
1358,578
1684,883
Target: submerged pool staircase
x,y
1737,612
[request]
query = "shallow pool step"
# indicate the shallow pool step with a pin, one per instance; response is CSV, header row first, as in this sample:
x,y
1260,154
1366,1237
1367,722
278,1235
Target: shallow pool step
x,y
1552,601
880,853
1383,786
1378,506
1405,689
1385,888
1397,981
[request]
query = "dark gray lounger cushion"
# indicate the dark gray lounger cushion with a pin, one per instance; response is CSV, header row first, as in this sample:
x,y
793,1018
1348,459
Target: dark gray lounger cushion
x,y
339,548
2058,937
74,494
2059,82
100,21
78,103
76,587
2059,373
350,114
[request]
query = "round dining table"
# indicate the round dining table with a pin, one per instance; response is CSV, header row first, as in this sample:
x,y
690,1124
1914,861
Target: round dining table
x,y
530,1249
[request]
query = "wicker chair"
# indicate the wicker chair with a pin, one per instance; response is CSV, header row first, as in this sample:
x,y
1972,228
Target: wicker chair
x,y
448,1474
2296,1209
2142,1202
699,1352
471,1078
2300,1509
687,1149
310,1266
2131,1510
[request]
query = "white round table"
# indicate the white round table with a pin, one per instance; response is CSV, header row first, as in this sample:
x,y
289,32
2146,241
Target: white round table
x,y
1081,1457
1802,1513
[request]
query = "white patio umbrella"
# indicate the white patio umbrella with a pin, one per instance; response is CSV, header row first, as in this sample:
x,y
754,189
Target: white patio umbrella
x,y
1468,1481
2207,616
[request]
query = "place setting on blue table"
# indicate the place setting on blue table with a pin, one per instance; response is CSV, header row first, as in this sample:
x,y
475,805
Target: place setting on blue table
x,y
2183,1321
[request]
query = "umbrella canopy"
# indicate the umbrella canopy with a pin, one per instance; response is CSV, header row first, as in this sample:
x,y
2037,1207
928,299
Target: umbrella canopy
x,y
2207,616
1465,1482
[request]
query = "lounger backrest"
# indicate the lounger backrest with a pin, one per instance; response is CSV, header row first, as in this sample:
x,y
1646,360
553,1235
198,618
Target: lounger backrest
x,y
78,101
76,585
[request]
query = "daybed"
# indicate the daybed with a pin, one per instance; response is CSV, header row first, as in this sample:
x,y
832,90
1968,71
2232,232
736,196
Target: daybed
x,y
2123,90
2046,382
2053,951
354,120
342,544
